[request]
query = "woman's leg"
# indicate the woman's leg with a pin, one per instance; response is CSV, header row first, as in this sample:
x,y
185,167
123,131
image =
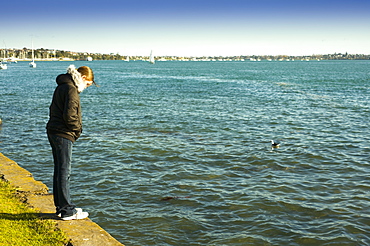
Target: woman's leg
x,y
62,154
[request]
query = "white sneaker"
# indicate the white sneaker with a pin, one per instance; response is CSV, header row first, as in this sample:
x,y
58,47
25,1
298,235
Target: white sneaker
x,y
78,210
77,216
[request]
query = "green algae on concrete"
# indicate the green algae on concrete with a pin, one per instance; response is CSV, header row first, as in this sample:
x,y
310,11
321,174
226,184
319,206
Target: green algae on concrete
x,y
79,232
20,225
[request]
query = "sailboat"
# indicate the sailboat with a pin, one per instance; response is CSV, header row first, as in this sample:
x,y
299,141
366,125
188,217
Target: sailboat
x,y
151,57
127,58
33,63
3,65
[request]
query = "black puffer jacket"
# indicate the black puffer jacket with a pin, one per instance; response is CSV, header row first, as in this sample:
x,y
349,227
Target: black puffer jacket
x,y
65,110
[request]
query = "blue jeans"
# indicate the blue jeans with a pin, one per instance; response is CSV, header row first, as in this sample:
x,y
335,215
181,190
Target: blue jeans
x,y
62,154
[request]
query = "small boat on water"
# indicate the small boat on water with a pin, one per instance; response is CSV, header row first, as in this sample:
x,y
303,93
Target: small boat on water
x,y
151,58
3,66
33,63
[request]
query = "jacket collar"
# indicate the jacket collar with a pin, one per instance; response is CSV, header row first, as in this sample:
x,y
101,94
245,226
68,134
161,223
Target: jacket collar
x,y
77,78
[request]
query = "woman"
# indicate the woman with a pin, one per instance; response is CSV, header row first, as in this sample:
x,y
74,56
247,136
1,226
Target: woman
x,y
63,129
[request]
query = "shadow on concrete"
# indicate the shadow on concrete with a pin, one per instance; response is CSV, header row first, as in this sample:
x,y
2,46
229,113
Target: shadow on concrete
x,y
28,216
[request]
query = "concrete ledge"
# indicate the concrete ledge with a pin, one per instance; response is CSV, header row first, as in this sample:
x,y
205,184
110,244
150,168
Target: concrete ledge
x,y
35,193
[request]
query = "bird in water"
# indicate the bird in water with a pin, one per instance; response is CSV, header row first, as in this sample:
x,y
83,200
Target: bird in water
x,y
275,144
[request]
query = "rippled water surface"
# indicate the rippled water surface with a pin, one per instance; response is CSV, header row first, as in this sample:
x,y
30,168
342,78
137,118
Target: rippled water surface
x,y
200,132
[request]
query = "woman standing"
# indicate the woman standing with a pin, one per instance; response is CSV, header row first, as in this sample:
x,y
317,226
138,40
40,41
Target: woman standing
x,y
64,128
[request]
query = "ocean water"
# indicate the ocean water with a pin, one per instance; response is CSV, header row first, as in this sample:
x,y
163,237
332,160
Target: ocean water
x,y
179,153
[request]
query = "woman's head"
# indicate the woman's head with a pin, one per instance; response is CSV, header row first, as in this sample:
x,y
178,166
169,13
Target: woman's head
x,y
87,74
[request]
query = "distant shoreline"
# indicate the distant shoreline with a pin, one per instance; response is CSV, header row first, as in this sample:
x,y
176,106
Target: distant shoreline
x,y
13,55
187,59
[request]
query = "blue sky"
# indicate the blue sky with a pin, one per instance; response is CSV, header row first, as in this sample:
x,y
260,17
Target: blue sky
x,y
189,28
